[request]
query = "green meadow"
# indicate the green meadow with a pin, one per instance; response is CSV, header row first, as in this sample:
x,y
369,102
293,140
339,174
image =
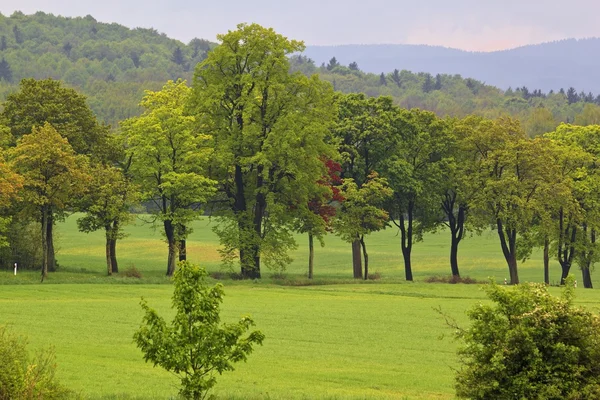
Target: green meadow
x,y
334,339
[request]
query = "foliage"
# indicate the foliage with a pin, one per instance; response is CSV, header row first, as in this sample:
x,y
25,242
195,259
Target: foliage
x,y
530,345
195,345
168,162
268,128
53,177
26,378
47,101
107,205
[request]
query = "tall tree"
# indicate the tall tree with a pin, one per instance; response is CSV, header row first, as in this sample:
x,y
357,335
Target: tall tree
x,y
333,63
269,129
169,163
46,101
509,171
53,177
414,172
316,217
362,213
367,137
107,203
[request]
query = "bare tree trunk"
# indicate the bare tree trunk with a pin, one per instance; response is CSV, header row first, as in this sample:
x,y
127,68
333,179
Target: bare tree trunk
x,y
508,242
356,260
50,241
109,268
44,243
587,277
366,256
113,255
406,233
114,233
170,234
311,255
547,261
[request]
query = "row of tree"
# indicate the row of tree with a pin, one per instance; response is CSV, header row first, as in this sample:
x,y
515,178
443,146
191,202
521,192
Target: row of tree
x,y
271,152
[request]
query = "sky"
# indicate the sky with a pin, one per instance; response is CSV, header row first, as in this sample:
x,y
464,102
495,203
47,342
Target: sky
x,y
477,25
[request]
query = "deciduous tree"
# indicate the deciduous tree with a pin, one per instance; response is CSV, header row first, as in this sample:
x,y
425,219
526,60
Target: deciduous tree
x,y
268,128
169,163
53,177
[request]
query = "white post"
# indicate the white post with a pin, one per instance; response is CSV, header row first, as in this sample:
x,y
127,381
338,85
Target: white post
x,y
15,269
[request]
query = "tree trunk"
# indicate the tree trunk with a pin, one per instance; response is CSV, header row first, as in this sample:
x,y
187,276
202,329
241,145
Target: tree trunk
x,y
356,259
547,261
454,256
586,268
182,250
587,277
456,223
311,255
109,268
113,255
406,233
50,241
566,246
170,234
508,242
366,256
44,242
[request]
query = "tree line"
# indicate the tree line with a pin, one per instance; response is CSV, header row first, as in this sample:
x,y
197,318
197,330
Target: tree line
x,y
270,152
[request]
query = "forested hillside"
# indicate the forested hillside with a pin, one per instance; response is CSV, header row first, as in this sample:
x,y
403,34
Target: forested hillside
x,y
545,66
113,65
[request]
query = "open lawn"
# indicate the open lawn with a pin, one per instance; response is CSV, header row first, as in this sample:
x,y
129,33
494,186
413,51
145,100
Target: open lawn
x,y
335,340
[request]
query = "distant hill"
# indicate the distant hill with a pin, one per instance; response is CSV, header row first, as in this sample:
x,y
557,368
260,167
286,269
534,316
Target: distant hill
x,y
110,63
547,66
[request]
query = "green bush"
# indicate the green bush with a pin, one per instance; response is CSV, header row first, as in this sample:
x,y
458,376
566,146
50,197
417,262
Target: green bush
x,y
530,345
22,378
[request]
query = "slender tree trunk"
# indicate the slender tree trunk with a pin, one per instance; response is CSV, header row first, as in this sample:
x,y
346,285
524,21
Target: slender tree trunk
x,y
587,276
113,246
508,242
454,256
547,261
311,255
366,256
586,268
50,240
109,268
457,226
113,255
566,245
44,242
356,259
182,250
170,234
406,234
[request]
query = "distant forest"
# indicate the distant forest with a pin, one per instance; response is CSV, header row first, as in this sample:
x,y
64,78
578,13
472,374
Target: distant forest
x,y
113,65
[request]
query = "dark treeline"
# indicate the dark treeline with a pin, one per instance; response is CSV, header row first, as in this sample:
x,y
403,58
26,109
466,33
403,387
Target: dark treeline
x,y
274,152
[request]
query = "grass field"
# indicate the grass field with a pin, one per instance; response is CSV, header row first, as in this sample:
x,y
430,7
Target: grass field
x,y
342,340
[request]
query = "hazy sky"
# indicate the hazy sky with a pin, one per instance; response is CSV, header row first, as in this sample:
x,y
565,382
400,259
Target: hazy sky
x,y
467,24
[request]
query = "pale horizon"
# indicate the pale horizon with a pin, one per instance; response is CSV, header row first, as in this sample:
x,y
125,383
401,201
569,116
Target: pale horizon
x,y
464,24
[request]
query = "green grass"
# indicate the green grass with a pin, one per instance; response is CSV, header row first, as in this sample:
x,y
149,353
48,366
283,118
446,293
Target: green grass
x,y
81,257
328,341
